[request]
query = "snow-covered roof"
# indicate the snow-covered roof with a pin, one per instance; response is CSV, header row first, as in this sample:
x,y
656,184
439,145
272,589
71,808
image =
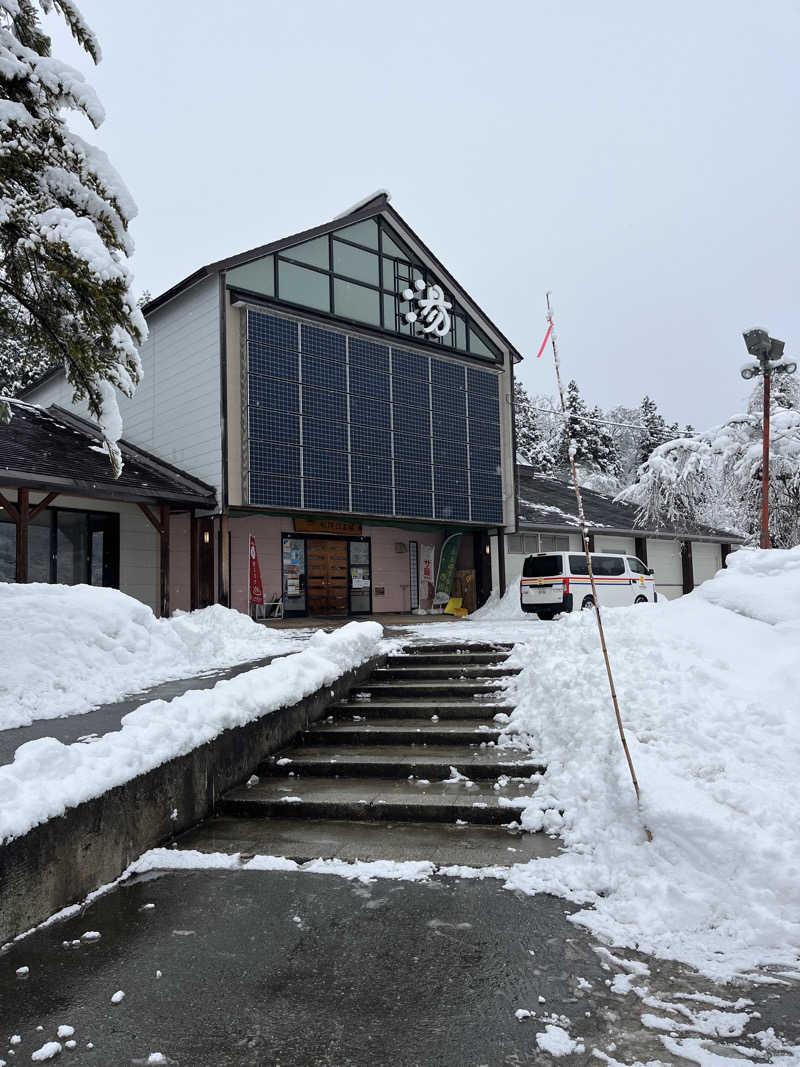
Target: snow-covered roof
x,y
54,450
549,504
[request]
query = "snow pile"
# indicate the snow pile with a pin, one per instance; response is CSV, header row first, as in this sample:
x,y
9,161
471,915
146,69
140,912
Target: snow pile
x,y
79,646
761,585
502,609
48,777
709,698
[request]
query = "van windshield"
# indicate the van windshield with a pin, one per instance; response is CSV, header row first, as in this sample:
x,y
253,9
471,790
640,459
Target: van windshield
x,y
541,566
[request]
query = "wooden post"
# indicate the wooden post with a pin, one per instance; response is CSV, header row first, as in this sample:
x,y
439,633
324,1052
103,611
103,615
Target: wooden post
x,y
687,566
23,518
161,526
501,559
164,569
194,533
641,548
225,561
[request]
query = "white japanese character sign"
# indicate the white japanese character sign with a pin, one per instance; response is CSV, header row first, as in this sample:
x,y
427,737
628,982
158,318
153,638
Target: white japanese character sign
x,y
432,311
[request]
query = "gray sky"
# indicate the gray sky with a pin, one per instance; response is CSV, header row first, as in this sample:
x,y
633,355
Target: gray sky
x,y
637,159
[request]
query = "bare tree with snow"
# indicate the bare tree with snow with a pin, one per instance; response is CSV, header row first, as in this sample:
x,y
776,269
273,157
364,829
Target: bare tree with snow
x,y
714,477
66,295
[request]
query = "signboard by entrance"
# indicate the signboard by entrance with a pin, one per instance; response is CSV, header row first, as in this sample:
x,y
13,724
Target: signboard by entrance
x,y
328,526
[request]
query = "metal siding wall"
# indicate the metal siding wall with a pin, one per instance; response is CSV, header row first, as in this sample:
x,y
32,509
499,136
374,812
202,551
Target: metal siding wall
x,y
175,412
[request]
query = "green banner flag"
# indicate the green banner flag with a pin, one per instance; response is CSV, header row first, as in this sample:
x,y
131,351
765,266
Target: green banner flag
x,y
447,568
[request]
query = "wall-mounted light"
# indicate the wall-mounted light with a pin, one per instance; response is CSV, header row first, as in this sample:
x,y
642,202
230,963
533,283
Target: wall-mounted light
x,y
206,537
487,549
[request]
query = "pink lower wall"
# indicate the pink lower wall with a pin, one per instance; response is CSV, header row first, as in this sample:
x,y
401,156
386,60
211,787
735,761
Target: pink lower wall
x,y
390,568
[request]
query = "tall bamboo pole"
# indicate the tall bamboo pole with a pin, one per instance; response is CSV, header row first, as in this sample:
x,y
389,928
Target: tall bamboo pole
x,y
585,538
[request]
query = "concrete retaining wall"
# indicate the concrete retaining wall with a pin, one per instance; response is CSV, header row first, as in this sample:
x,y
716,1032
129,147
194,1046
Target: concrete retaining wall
x,y
60,862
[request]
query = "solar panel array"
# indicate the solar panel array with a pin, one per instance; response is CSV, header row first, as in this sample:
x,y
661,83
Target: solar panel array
x,y
339,423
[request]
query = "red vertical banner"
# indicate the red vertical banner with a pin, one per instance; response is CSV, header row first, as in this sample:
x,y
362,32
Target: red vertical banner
x,y
256,589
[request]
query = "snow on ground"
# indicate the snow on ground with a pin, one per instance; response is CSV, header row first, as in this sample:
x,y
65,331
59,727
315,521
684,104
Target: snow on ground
x,y
75,647
709,697
47,777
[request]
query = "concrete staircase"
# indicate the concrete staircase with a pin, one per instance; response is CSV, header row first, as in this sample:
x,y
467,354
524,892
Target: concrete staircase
x,y
407,767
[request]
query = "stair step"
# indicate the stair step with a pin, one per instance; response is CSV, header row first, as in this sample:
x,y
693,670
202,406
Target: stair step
x,y
376,800
431,690
447,659
424,649
410,672
476,708
401,732
302,840
400,761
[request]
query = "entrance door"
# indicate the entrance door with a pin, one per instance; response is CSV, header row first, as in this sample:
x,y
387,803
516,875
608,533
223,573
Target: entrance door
x,y
327,577
205,562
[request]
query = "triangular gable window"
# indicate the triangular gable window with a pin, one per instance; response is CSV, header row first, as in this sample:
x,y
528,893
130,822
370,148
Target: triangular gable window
x,y
365,273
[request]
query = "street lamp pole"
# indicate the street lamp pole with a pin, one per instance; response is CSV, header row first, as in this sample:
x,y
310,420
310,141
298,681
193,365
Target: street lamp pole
x,y
768,351
764,542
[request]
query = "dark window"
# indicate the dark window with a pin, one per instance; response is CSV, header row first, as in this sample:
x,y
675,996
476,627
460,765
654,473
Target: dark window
x,y
353,301
65,546
578,565
541,567
606,566
301,286
637,566
355,263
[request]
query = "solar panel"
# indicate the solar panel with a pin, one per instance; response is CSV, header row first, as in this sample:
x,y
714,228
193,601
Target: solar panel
x,y
392,430
372,499
328,344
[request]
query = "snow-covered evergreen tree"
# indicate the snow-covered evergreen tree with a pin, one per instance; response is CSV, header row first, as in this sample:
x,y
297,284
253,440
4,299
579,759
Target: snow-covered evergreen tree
x,y
714,477
66,292
576,428
655,429
534,445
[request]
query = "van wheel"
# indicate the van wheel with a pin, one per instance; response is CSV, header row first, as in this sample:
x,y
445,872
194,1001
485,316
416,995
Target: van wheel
x,y
640,600
587,604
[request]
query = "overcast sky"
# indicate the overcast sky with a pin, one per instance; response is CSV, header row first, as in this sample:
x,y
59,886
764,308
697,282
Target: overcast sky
x,y
639,160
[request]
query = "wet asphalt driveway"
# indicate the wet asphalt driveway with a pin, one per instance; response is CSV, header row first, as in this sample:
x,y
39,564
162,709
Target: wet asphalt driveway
x,y
284,968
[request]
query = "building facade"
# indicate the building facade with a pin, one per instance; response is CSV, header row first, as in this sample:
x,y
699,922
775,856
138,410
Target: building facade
x,y
350,405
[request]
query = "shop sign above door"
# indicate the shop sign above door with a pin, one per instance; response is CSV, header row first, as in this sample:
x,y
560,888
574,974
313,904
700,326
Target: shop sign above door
x,y
328,526
428,308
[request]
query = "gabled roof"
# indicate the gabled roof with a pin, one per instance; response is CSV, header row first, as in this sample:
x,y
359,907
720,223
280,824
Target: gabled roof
x,y
549,504
53,450
378,204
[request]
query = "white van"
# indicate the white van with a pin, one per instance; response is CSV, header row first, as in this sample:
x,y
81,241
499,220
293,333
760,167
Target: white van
x,y
553,582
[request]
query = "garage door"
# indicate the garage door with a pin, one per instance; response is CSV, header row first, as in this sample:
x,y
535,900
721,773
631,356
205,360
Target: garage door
x,y
706,560
665,559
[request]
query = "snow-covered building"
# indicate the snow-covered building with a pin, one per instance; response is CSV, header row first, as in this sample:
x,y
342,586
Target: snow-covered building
x,y
349,404
548,522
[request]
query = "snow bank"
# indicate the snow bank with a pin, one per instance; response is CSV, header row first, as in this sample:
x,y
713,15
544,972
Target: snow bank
x,y
709,697
48,777
75,647
502,609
